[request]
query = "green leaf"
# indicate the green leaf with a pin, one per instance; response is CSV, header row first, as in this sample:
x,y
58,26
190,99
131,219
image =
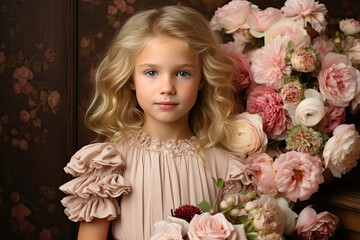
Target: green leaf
x,y
204,206
243,218
215,182
252,235
220,183
324,136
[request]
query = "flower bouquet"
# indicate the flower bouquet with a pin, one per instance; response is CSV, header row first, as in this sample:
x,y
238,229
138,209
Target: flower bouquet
x,y
297,84
244,215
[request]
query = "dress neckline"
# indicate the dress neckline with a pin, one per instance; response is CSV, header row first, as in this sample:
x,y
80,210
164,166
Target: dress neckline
x,y
169,147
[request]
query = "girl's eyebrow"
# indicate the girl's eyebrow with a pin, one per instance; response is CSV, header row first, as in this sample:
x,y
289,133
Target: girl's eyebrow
x,y
149,65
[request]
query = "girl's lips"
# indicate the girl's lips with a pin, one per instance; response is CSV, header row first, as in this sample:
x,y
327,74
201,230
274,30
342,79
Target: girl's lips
x,y
166,105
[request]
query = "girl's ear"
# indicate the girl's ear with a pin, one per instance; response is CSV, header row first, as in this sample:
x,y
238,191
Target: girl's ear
x,y
132,84
201,84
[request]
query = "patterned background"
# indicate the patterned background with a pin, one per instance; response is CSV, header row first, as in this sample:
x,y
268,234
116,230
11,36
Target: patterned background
x,y
48,49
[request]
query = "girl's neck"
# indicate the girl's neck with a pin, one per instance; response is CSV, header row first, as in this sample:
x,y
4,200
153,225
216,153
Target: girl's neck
x,y
168,131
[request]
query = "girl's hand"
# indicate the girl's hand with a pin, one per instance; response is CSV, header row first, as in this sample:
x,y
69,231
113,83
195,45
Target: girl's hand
x,y
97,229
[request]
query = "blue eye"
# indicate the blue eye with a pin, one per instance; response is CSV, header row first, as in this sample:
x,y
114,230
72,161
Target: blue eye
x,y
151,73
183,74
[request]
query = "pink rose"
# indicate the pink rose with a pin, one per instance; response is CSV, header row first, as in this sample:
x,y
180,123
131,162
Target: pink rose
x,y
298,175
23,145
306,11
167,230
261,166
112,10
247,135
49,55
342,150
121,5
337,79
322,45
288,32
22,74
303,60
333,118
260,21
232,15
268,104
15,142
291,92
129,9
207,226
316,226
53,99
355,103
349,26
116,24
27,89
20,212
351,47
24,116
2,57
270,66
84,42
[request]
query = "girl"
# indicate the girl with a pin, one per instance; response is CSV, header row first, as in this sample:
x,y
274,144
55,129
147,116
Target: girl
x,y
163,99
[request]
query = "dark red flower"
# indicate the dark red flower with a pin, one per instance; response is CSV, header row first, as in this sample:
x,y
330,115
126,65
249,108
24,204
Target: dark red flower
x,y
186,212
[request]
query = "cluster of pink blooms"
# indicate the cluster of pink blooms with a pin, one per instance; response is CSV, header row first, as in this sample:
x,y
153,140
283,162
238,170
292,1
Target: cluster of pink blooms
x,y
300,82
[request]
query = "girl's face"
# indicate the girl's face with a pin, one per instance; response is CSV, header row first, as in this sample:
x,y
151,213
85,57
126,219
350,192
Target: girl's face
x,y
166,79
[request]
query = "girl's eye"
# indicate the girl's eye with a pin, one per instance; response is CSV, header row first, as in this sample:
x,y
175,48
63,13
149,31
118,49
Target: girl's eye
x,y
151,73
183,74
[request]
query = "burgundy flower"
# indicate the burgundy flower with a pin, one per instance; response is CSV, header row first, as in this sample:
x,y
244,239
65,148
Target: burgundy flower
x,y
187,212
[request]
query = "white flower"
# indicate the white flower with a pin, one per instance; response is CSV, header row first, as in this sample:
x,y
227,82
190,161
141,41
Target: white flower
x,y
309,112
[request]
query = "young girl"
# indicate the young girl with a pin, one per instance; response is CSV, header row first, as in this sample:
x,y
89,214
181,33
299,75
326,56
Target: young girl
x,y
163,99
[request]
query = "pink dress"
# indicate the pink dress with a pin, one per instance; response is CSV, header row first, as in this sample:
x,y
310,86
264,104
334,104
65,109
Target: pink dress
x,y
137,181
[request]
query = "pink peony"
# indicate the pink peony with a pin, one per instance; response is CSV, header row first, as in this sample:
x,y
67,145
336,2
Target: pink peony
x,y
207,226
49,55
304,139
261,166
322,45
84,42
355,103
288,32
268,104
304,60
306,11
351,47
248,136
342,150
270,66
53,99
337,79
260,21
232,15
333,118
2,57
243,74
24,116
316,226
298,175
349,26
22,74
291,92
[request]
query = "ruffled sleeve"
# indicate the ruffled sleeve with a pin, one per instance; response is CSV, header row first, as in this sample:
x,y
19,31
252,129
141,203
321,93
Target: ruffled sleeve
x,y
236,170
99,182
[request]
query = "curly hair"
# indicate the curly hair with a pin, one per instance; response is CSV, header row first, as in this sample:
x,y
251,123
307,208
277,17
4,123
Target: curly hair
x,y
114,110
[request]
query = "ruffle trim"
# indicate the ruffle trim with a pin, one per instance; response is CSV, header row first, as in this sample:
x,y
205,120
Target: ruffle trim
x,y
236,171
94,156
170,147
112,185
86,209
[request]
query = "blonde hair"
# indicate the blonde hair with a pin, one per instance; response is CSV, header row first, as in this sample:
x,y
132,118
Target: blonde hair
x,y
114,110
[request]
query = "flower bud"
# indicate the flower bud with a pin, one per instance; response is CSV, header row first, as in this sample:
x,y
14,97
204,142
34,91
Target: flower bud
x,y
234,212
304,60
230,201
250,206
212,211
224,205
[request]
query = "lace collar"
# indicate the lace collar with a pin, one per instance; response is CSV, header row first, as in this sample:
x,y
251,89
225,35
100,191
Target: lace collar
x,y
172,148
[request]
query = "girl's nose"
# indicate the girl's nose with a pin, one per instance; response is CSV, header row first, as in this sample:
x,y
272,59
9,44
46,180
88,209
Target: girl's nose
x,y
167,86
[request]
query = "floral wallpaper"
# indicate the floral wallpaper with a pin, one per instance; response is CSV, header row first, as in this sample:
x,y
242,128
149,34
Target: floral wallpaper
x,y
36,105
